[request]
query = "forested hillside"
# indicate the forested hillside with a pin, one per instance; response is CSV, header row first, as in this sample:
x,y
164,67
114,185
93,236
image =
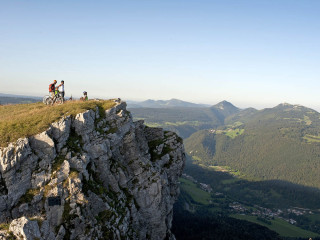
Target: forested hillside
x,y
279,143
253,160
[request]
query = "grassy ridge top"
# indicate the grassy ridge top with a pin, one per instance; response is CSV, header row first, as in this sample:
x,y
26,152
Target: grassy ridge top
x,y
24,120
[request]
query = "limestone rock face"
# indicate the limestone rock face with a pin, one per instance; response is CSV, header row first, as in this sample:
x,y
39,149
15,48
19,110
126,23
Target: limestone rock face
x,y
98,175
25,229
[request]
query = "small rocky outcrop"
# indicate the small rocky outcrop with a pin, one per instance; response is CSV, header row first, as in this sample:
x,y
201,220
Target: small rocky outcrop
x,y
97,175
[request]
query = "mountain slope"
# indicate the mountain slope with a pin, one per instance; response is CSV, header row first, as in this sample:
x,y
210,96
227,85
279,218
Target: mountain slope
x,y
225,108
279,143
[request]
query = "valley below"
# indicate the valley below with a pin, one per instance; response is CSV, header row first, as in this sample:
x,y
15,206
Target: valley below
x,y
281,207
248,171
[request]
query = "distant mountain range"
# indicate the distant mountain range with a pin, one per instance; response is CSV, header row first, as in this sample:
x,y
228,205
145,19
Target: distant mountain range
x,y
14,99
185,120
172,103
18,96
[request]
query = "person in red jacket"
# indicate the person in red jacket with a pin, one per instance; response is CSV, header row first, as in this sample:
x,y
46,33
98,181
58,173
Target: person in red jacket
x,y
52,88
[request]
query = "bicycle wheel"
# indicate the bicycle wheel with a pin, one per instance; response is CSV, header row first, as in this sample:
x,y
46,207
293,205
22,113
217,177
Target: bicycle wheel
x,y
49,101
45,99
59,100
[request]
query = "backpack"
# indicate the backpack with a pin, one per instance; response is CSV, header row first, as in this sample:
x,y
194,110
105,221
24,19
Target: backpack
x,y
51,87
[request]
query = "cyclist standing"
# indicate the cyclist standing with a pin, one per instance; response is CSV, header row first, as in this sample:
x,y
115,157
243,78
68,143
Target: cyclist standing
x,y
52,88
61,86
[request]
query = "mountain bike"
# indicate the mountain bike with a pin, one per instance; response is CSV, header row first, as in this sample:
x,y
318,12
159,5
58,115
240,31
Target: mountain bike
x,y
48,100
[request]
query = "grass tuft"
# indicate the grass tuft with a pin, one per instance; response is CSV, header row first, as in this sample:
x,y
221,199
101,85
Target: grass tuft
x,y
4,226
28,196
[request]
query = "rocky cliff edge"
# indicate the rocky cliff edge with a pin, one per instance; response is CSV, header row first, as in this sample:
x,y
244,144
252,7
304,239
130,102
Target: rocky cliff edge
x,y
97,175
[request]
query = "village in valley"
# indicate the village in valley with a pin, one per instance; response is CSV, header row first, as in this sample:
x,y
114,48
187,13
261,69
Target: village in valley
x,y
262,213
268,214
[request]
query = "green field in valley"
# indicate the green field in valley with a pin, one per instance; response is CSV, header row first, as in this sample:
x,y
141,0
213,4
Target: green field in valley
x,y
219,204
280,226
232,133
197,194
311,138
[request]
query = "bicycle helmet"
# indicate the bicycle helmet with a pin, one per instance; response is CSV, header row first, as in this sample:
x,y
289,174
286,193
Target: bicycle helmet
x,y
55,81
84,92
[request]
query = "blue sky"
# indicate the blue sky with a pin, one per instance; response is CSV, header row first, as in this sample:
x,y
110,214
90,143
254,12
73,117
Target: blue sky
x,y
251,53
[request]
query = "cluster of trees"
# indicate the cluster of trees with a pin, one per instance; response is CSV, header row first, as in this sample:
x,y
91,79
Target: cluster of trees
x,y
305,223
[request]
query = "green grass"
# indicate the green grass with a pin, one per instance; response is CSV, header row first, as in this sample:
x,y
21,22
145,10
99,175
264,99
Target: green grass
x,y
235,173
232,133
235,124
4,226
219,168
307,120
196,158
28,196
191,123
24,120
314,217
152,124
166,124
311,138
197,194
280,226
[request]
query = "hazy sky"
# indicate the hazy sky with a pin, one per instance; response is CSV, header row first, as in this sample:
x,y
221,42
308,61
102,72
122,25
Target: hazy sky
x,y
252,53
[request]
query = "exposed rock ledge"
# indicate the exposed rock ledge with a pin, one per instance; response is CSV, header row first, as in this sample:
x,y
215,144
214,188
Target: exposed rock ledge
x,y
91,177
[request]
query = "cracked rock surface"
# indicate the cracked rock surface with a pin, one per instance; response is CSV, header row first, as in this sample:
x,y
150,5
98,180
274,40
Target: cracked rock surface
x,y
91,177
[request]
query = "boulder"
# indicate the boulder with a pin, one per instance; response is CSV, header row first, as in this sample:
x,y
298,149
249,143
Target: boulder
x,y
25,229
